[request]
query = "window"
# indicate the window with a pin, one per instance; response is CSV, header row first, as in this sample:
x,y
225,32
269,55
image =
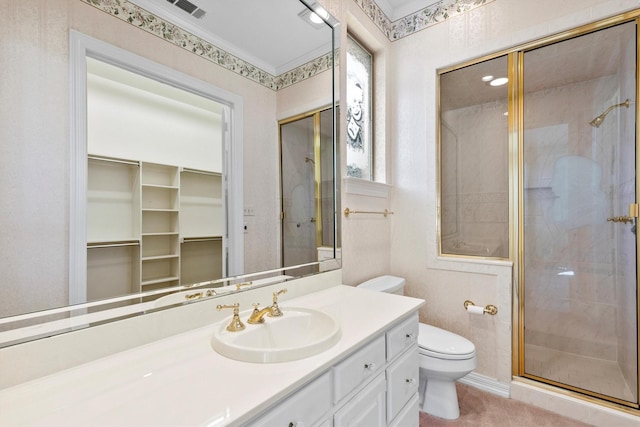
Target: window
x,y
359,117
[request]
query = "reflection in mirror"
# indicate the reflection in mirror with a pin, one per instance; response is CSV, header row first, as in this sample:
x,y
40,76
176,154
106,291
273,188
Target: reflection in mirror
x,y
307,186
146,195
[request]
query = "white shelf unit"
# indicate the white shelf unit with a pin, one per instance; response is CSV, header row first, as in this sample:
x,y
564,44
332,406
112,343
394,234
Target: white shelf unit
x,y
151,226
160,202
201,225
113,227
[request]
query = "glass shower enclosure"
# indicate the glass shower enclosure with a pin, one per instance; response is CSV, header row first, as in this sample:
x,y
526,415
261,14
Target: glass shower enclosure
x,y
579,210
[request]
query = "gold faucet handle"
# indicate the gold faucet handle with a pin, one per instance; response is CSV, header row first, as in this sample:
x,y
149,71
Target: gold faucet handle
x,y
236,324
280,292
256,307
197,295
275,310
243,284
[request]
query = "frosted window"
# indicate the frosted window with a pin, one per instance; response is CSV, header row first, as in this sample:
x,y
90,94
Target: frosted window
x,y
359,100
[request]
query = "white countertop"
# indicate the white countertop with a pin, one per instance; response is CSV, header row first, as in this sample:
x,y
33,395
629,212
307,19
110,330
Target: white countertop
x,y
181,380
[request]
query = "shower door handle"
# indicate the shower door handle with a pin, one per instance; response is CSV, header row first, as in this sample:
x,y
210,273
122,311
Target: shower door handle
x,y
625,219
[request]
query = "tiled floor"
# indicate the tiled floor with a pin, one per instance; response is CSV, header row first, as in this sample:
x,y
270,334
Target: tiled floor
x,y
482,409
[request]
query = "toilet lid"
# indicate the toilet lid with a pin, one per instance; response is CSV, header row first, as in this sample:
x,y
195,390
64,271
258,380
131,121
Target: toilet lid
x,y
389,284
443,344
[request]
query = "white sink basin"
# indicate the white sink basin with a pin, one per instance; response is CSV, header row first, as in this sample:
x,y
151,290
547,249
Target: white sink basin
x,y
299,333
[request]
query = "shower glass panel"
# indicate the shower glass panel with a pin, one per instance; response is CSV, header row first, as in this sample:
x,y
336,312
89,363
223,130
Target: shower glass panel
x,y
474,165
579,187
298,193
306,147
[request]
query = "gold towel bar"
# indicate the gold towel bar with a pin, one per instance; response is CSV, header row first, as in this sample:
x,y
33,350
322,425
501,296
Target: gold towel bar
x,y
348,211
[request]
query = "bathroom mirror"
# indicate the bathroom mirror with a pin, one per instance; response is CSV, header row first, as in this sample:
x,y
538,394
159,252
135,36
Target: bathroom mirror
x,y
269,56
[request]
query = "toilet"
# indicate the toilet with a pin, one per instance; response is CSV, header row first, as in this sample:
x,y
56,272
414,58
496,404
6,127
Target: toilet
x,y
444,358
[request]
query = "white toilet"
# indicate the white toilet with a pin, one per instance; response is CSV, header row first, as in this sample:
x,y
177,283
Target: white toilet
x,y
444,358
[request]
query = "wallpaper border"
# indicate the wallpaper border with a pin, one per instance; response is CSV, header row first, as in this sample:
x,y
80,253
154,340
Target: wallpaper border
x,y
424,18
146,21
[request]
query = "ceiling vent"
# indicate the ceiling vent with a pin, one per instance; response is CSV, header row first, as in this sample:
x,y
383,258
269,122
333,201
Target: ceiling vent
x,y
188,7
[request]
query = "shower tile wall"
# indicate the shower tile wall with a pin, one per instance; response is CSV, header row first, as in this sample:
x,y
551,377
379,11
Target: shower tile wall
x,y
479,195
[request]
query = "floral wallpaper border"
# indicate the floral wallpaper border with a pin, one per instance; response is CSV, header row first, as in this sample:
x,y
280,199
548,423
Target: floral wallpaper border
x,y
171,33
430,15
403,27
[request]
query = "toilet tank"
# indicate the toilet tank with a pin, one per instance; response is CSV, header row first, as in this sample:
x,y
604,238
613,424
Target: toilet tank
x,y
388,284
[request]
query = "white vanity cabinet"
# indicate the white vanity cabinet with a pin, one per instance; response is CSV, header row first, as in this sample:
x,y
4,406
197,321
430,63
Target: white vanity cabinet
x,y
151,226
304,408
376,385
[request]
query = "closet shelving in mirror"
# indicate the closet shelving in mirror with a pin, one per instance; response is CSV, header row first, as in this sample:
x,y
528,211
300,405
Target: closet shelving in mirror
x,y
152,226
160,226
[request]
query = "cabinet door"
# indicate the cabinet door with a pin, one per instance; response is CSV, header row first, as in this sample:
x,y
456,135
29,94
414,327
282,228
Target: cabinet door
x,y
409,416
368,408
402,381
304,408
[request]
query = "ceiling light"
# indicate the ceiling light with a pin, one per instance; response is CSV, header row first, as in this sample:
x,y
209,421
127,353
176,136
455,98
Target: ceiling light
x,y
313,17
499,81
487,78
319,15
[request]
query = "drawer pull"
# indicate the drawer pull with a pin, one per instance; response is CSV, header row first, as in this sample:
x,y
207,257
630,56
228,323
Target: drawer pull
x,y
370,366
412,336
296,424
411,381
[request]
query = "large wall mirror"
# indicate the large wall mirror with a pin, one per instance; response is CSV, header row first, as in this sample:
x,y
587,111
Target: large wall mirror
x,y
105,211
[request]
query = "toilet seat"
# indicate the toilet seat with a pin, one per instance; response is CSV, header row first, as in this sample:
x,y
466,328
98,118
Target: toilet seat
x,y
441,344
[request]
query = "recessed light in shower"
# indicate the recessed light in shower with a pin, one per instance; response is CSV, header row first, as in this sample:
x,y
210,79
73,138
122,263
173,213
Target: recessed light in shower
x,y
487,79
499,81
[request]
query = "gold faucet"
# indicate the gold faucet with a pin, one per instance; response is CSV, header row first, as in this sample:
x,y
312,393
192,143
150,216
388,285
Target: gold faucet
x,y
236,324
276,312
257,316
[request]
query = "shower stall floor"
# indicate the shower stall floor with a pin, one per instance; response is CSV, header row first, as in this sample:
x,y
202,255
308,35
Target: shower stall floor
x,y
597,375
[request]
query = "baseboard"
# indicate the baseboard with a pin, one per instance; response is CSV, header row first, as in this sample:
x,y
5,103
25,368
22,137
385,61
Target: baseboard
x,y
487,384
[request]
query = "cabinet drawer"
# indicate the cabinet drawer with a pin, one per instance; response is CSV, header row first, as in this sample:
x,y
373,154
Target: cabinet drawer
x,y
402,336
402,381
358,367
305,407
366,408
409,416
